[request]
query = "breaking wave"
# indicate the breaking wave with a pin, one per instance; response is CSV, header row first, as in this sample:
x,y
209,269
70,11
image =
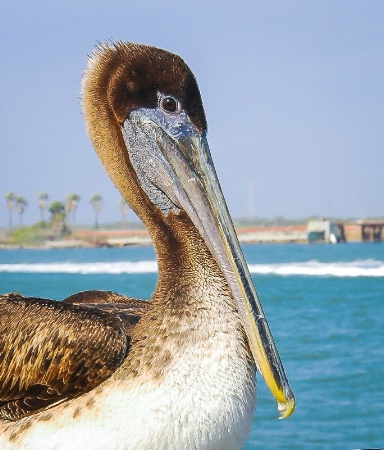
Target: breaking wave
x,y
83,268
358,268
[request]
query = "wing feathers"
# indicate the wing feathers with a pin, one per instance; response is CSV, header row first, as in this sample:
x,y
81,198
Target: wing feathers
x,y
52,351
129,310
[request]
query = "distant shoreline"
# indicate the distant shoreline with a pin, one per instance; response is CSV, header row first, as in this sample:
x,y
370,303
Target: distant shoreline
x,y
88,238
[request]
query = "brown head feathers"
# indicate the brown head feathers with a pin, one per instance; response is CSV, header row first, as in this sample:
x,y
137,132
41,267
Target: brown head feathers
x,y
132,76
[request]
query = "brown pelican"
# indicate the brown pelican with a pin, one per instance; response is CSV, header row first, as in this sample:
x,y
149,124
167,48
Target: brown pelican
x,y
101,370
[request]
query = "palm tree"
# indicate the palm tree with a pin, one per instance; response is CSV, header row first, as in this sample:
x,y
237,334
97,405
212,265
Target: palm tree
x,y
57,210
124,209
71,205
21,204
11,200
96,202
43,197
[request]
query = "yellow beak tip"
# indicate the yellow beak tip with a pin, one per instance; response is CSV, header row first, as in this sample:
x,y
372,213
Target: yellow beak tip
x,y
286,409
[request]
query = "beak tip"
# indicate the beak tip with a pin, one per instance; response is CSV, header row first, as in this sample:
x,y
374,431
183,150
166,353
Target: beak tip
x,y
286,409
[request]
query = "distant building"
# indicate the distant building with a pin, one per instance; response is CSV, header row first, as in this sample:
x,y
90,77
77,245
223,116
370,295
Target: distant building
x,y
371,230
325,231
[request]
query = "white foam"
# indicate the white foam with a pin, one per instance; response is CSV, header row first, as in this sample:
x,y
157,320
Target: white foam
x,y
358,268
83,268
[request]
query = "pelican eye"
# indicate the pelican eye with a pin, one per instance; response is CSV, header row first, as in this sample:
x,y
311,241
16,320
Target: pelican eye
x,y
170,105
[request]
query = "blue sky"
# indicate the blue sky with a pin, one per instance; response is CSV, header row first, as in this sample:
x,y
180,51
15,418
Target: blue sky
x,y
293,92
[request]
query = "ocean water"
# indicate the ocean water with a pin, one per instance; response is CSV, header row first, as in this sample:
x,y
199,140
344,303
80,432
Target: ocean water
x,y
324,304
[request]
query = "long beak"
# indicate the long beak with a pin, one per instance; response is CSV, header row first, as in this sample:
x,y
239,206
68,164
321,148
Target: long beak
x,y
186,174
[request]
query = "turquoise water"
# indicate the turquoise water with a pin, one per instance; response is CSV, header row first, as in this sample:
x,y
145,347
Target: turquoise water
x,y
325,306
